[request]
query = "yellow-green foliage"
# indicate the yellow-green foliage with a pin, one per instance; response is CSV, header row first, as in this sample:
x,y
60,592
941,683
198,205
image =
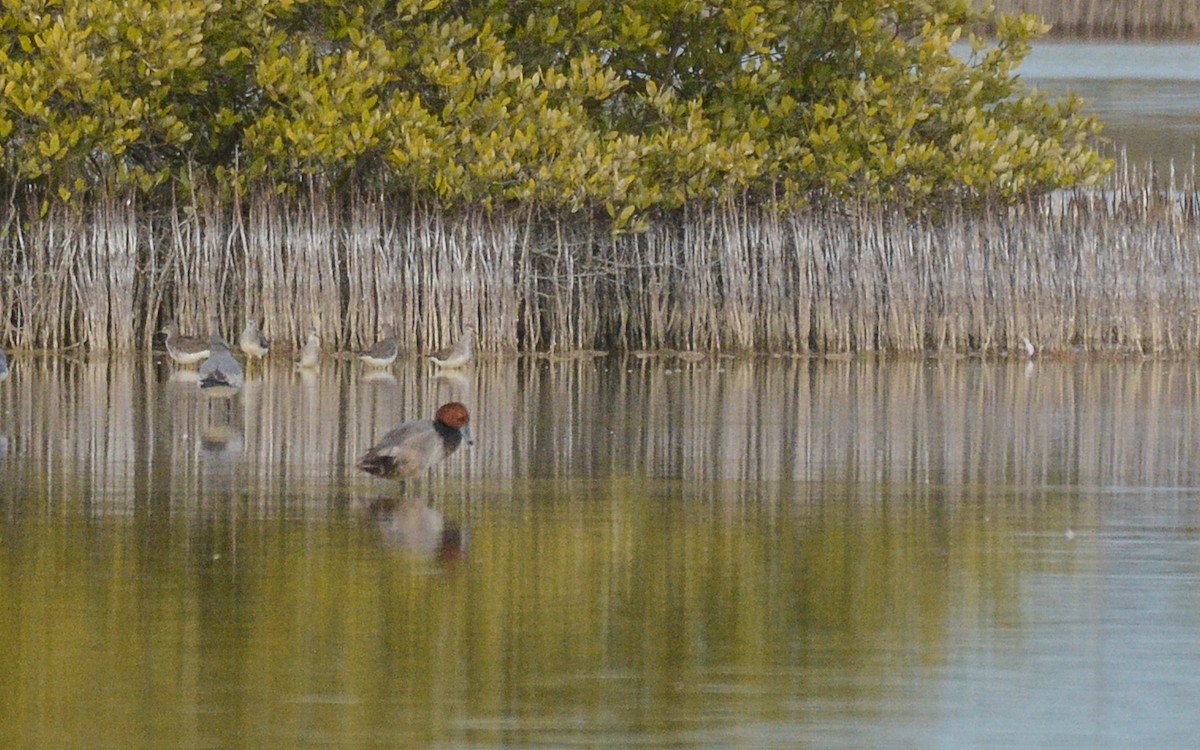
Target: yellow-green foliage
x,y
94,90
580,105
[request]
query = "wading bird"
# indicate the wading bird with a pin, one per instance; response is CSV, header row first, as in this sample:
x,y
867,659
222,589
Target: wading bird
x,y
384,352
459,353
185,350
415,446
310,353
252,341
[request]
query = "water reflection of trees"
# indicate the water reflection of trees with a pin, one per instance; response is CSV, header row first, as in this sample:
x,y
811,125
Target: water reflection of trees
x,y
108,424
652,541
612,604
952,421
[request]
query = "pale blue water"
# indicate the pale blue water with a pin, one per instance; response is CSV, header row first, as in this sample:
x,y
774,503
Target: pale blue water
x,y
1148,95
1113,61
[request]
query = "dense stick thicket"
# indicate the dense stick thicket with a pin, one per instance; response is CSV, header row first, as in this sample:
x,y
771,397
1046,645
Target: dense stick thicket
x,y
1114,270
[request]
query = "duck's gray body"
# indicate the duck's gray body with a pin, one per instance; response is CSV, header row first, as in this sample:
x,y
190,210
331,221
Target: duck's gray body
x,y
220,369
415,446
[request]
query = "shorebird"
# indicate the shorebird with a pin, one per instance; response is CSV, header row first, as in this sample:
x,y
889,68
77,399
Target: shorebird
x,y
310,353
185,350
220,374
252,341
383,353
457,354
415,446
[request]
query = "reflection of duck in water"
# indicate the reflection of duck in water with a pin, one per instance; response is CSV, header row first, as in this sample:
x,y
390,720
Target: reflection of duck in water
x,y
415,446
221,439
418,529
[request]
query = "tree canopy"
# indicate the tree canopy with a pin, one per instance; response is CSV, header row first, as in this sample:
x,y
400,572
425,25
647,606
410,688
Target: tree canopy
x,y
572,104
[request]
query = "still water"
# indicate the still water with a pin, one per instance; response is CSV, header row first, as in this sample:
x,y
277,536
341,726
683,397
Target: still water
x,y
1147,95
646,552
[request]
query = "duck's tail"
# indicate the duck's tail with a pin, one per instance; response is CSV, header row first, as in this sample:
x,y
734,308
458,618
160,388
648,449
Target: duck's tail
x,y
377,464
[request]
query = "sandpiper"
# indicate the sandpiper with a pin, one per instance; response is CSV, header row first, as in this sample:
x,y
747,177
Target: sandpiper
x,y
252,341
310,353
185,350
459,353
383,353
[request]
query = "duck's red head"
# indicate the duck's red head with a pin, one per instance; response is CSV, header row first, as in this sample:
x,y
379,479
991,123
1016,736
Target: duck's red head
x,y
453,415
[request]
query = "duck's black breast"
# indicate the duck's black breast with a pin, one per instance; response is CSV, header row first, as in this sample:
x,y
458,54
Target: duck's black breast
x,y
451,437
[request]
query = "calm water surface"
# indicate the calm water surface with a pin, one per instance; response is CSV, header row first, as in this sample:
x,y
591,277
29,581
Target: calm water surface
x,y
1147,95
735,552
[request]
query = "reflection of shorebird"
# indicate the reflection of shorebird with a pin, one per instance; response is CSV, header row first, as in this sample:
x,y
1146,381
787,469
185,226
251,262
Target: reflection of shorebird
x,y
252,341
180,375
413,526
310,353
457,354
454,378
220,374
384,352
415,446
185,350
375,375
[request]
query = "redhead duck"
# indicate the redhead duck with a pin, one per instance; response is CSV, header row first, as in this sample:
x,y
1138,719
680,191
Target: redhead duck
x,y
415,446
